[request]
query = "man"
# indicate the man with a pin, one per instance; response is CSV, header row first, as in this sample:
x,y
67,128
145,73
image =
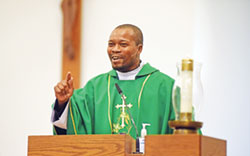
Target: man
x,y
98,107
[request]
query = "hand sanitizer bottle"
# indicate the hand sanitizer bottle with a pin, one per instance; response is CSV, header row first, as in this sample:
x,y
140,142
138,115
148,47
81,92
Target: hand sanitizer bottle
x,y
142,138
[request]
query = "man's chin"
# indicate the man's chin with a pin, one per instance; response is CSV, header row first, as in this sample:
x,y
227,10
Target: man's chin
x,y
119,68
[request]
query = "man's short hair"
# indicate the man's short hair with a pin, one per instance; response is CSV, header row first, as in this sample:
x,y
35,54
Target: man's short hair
x,y
137,31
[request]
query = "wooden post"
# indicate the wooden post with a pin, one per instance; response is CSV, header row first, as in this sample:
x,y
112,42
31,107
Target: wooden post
x,y
71,58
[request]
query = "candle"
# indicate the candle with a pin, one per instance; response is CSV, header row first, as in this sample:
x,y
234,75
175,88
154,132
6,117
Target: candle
x,y
186,86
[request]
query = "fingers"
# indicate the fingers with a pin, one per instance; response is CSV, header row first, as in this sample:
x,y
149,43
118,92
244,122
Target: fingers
x,y
62,88
69,80
57,90
62,85
61,95
70,83
68,76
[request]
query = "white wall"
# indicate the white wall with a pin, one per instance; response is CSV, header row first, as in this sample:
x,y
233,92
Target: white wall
x,y
222,43
30,55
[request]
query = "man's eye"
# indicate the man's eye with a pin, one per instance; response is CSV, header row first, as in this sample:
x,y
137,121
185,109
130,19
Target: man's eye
x,y
123,44
111,44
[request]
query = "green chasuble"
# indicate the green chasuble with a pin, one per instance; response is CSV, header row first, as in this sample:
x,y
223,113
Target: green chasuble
x,y
97,108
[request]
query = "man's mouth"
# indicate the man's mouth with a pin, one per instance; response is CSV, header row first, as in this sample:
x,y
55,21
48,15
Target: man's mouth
x,y
115,58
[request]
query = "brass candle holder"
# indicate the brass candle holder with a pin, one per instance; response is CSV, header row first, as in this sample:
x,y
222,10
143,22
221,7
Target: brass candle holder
x,y
185,125
186,97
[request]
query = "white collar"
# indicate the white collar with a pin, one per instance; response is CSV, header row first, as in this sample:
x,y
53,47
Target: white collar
x,y
131,74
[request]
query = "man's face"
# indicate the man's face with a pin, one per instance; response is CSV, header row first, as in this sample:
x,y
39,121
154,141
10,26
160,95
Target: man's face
x,y
123,52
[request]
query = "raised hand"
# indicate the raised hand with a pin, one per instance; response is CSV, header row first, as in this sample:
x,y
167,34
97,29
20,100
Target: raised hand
x,y
64,90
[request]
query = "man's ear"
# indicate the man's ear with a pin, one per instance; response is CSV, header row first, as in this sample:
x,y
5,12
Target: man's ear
x,y
140,47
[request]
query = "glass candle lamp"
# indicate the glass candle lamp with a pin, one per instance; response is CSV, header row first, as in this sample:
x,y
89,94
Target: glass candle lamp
x,y
187,97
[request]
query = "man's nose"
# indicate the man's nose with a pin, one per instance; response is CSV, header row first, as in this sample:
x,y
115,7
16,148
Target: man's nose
x,y
116,48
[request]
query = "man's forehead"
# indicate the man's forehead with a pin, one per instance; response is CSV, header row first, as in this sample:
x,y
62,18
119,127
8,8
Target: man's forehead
x,y
122,34
119,40
122,31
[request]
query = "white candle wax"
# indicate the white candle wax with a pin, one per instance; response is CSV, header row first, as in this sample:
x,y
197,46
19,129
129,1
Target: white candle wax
x,y
186,91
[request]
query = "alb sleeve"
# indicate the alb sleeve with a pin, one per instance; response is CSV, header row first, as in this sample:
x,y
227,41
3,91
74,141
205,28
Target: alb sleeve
x,y
59,116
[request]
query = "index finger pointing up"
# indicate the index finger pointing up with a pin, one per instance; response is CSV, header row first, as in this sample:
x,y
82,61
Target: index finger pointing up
x,y
68,76
69,80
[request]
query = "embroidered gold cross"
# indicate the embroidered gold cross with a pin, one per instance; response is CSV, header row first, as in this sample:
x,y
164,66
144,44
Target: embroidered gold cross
x,y
123,113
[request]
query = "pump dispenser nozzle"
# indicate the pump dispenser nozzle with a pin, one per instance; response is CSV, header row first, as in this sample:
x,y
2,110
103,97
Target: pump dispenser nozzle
x,y
144,130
